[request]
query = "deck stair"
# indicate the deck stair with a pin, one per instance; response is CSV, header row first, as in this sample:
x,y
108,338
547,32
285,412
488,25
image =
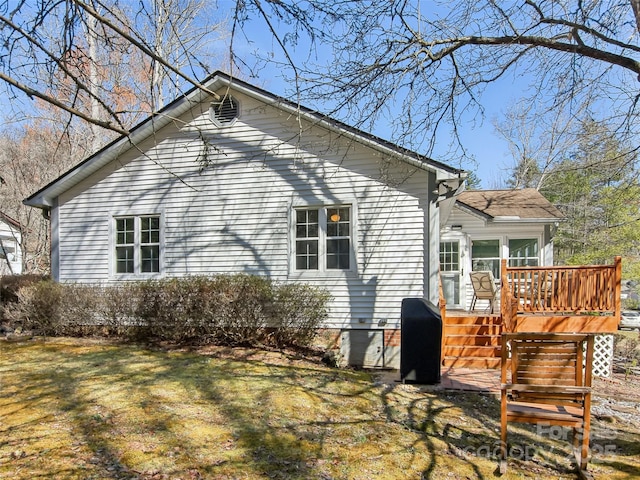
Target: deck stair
x,y
472,340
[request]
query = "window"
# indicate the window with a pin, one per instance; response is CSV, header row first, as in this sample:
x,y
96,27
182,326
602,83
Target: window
x,y
224,112
485,255
323,238
137,244
449,256
7,251
307,238
338,238
523,252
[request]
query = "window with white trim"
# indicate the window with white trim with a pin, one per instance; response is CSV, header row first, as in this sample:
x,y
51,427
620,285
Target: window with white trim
x,y
323,238
450,256
7,251
524,252
137,244
485,255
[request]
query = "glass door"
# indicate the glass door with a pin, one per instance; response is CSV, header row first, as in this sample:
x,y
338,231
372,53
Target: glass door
x,y
451,272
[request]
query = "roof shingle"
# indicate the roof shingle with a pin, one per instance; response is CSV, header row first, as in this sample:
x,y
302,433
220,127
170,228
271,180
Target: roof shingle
x,y
526,203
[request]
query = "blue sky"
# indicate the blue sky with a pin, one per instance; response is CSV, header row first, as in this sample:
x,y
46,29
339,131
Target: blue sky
x,y
491,152
479,136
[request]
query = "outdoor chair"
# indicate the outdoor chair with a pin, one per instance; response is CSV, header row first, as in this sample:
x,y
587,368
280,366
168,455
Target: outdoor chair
x,y
484,288
546,380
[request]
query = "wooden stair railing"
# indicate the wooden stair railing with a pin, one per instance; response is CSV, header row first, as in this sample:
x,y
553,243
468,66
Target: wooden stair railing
x,y
508,306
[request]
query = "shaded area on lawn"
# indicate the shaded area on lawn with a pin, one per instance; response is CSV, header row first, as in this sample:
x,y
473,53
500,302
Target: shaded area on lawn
x,y
89,409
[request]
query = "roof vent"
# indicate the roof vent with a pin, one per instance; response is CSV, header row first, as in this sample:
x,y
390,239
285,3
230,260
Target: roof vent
x,y
224,112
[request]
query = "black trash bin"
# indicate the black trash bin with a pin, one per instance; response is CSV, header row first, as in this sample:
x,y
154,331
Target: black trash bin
x,y
420,341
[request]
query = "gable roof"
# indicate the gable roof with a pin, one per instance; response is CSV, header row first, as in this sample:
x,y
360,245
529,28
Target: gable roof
x,y
45,197
510,205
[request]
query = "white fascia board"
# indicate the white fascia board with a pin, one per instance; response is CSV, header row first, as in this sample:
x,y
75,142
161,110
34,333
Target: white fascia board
x,y
473,212
505,219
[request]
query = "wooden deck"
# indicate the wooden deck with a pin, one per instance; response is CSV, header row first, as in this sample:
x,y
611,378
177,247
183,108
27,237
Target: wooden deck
x,y
582,299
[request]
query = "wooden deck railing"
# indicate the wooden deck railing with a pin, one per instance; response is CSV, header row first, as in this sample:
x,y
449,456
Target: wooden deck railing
x,y
556,293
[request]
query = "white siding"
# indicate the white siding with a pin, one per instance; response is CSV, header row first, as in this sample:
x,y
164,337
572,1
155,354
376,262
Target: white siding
x,y
235,215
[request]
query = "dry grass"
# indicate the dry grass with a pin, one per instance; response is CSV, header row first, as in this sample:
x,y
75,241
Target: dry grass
x,y
74,409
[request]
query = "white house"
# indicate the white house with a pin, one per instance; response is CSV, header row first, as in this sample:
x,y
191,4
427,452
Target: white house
x,y
249,182
487,226
10,246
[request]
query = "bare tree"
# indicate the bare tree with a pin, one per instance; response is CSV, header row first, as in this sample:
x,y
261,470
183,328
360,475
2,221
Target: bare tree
x,y
418,67
26,155
430,61
179,32
73,43
88,83
538,143
422,67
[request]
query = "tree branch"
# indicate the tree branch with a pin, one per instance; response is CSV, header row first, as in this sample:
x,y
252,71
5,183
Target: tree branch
x,y
62,66
635,6
53,101
583,28
550,43
147,51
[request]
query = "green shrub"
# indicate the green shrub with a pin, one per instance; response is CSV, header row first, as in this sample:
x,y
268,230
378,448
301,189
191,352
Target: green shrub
x,y
226,309
631,304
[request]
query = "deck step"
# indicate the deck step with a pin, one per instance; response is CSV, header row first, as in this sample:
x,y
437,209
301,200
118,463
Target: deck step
x,y
473,330
471,351
472,320
471,362
473,340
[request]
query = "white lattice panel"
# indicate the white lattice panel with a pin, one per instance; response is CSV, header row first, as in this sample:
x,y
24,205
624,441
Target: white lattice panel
x,y
603,356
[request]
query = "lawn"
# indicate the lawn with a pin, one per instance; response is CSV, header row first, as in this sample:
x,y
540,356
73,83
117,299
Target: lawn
x,y
81,409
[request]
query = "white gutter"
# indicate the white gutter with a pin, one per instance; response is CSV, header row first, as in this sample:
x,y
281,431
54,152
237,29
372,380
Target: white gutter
x,y
521,220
